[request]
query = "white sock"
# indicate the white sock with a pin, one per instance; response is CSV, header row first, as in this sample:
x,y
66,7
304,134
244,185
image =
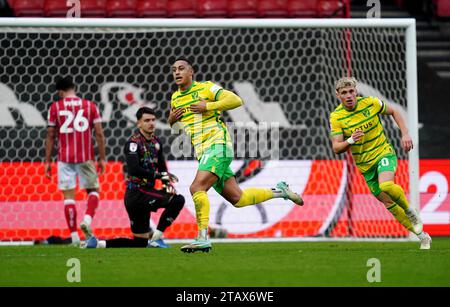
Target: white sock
x,y
75,237
422,235
69,202
157,235
87,219
409,211
277,193
203,234
101,244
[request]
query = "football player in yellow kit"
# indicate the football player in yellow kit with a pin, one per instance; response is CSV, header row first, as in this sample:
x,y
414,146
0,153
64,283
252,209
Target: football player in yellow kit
x,y
356,125
197,106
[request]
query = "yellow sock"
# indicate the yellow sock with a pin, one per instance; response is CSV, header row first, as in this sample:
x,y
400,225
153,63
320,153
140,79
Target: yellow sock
x,y
396,193
201,203
253,196
400,216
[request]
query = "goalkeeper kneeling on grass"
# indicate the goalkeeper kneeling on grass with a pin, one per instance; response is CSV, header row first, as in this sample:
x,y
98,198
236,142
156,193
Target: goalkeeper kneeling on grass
x,y
146,163
356,125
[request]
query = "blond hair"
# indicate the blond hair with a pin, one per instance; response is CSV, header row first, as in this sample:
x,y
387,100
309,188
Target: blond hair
x,y
344,82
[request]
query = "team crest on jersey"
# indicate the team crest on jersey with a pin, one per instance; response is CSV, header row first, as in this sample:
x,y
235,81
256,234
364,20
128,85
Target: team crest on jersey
x,y
366,113
194,95
133,147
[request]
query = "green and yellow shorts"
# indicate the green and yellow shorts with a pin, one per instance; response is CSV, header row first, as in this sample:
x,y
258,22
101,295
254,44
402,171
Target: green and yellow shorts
x,y
217,160
385,163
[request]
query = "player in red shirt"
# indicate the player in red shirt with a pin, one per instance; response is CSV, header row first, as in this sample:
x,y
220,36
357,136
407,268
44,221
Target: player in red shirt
x,y
71,121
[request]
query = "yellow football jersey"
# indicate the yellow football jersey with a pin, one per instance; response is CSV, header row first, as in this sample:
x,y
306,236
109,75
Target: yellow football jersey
x,y
365,117
204,129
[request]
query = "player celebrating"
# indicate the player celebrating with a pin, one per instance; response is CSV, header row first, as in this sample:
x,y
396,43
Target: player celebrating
x,y
197,107
146,163
356,124
71,120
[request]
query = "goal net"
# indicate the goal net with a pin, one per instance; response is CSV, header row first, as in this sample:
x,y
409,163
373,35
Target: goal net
x,y
283,69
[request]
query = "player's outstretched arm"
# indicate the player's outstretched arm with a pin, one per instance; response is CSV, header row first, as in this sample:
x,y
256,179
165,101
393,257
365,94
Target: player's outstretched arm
x,y
228,101
340,145
49,143
406,140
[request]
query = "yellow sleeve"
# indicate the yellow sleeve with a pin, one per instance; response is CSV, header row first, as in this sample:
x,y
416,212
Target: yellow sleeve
x,y
335,126
213,91
228,100
379,105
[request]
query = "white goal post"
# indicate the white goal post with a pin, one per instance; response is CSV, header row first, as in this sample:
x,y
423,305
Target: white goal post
x,y
397,42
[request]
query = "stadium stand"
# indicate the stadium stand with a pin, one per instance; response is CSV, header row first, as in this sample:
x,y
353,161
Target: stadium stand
x,y
330,8
181,8
187,8
212,8
88,8
301,8
242,9
27,8
272,8
151,8
55,8
121,8
93,8
58,8
442,8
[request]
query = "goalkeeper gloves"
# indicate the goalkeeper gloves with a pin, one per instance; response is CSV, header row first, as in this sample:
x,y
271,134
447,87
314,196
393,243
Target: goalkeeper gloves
x,y
166,177
169,189
167,180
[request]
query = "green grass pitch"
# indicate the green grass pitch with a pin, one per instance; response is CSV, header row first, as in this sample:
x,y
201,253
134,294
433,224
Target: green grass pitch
x,y
232,264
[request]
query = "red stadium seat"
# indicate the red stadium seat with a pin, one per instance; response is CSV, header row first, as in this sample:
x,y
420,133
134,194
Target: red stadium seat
x,y
212,8
442,8
272,8
330,8
151,8
121,8
93,8
88,8
28,8
302,8
181,8
242,8
56,8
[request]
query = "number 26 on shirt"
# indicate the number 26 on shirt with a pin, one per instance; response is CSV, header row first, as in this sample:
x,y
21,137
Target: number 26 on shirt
x,y
80,123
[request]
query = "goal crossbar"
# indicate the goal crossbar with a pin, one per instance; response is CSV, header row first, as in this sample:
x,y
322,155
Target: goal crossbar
x,y
208,23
